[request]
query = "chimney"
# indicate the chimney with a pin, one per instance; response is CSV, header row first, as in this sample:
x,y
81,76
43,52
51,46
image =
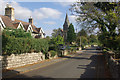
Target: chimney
x,y
31,20
9,11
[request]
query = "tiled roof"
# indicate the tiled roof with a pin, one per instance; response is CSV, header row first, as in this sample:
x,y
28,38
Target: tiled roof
x,y
26,24
7,21
16,25
26,27
38,29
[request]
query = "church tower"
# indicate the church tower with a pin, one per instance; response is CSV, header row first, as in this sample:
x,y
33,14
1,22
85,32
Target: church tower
x,y
65,27
9,11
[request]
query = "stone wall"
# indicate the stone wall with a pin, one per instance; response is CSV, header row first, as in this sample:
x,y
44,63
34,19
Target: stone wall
x,y
14,61
113,65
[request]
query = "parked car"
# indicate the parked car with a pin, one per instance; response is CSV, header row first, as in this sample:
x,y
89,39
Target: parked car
x,y
99,48
68,47
63,48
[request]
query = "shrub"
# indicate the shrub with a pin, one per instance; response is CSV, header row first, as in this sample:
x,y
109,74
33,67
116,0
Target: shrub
x,y
17,33
53,53
18,45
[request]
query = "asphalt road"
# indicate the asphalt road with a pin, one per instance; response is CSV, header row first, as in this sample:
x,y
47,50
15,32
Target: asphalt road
x,y
82,65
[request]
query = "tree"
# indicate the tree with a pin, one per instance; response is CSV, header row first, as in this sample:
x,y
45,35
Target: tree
x,y
56,32
102,15
84,41
71,35
55,41
82,33
93,39
92,15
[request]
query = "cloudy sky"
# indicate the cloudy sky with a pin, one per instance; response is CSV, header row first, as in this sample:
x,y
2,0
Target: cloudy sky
x,y
48,15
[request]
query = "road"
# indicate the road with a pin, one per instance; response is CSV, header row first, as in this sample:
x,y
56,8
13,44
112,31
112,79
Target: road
x,y
82,65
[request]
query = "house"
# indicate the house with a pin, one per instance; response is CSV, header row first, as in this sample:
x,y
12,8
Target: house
x,y
9,21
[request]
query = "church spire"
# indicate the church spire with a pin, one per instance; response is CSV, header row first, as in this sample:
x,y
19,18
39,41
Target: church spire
x,y
67,20
65,27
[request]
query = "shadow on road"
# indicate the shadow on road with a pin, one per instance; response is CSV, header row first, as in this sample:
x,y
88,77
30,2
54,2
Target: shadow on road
x,y
75,57
16,75
90,70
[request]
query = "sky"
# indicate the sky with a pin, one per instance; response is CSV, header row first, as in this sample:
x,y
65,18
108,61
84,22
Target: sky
x,y
47,15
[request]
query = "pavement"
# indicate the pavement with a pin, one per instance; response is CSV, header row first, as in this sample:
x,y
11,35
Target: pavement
x,y
89,63
20,70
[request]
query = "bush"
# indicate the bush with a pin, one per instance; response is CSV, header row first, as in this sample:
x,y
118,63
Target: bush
x,y
17,33
18,45
53,53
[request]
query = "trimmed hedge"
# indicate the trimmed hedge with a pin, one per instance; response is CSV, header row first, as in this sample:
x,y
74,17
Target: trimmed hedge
x,y
12,45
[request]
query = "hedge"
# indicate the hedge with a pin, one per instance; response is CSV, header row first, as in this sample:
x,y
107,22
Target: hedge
x,y
12,45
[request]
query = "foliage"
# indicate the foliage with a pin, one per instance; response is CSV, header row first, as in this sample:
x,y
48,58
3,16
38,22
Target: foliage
x,y
53,53
56,32
84,41
16,33
98,15
71,36
55,41
18,45
102,15
93,39
82,33
85,38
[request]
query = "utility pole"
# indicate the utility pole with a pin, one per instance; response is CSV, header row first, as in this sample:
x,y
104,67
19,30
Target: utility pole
x,y
80,41
80,44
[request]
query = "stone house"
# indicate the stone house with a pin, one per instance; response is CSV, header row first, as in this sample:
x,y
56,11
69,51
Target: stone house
x,y
8,21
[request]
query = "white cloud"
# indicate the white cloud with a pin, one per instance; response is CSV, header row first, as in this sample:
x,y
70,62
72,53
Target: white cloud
x,y
43,0
72,18
21,12
25,13
48,32
2,6
49,22
66,3
44,12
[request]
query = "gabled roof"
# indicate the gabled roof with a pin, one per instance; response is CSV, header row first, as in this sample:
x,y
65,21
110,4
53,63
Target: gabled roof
x,y
26,24
39,30
26,27
7,21
16,25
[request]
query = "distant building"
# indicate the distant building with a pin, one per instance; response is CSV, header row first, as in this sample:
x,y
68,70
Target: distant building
x,y
65,27
9,21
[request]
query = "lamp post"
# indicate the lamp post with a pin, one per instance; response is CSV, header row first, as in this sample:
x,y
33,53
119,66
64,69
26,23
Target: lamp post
x,y
80,44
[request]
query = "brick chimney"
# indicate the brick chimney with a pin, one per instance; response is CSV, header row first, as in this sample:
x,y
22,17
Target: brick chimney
x,y
31,20
9,11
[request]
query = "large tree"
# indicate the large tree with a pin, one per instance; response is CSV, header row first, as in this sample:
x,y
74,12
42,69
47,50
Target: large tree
x,y
102,15
71,35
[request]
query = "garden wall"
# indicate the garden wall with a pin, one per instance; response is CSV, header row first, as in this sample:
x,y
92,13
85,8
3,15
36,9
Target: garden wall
x,y
14,61
113,65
